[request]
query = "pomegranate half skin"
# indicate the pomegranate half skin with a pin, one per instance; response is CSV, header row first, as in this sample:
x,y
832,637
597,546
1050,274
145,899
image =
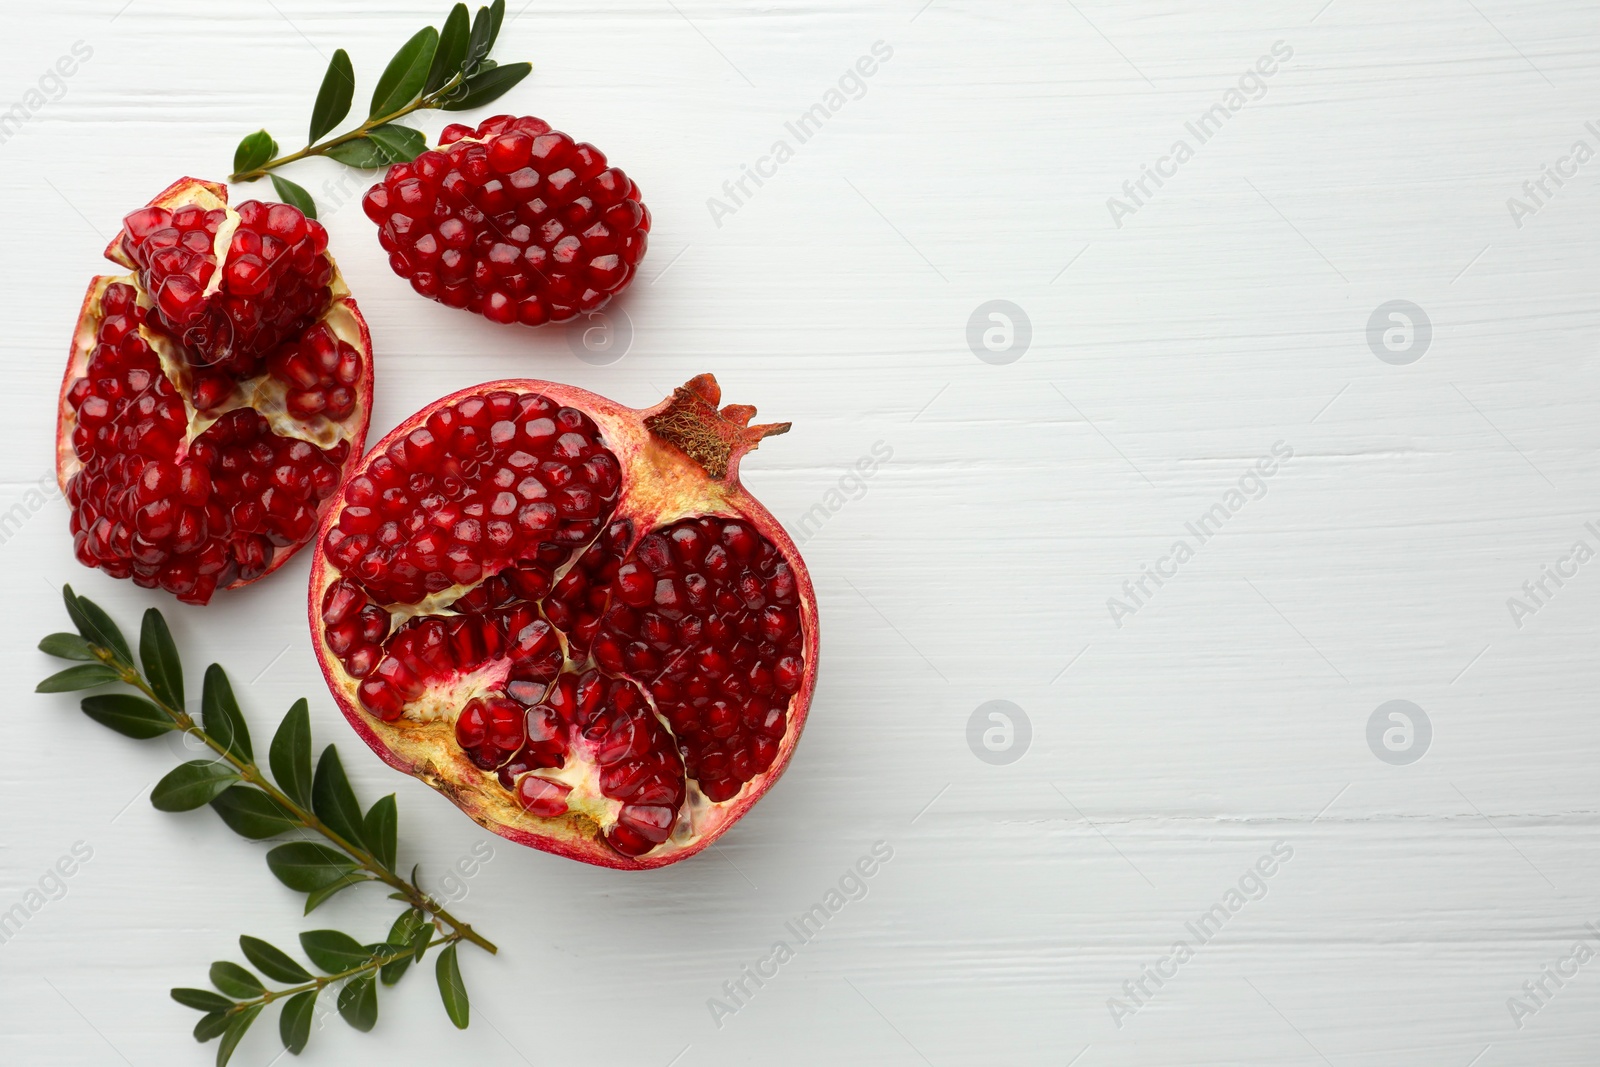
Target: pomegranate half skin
x,y
214,398
569,617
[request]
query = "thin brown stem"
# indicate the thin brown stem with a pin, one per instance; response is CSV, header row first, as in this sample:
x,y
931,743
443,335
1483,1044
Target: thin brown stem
x,y
250,773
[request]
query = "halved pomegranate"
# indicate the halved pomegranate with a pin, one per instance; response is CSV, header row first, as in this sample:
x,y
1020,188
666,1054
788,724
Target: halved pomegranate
x,y
569,617
215,398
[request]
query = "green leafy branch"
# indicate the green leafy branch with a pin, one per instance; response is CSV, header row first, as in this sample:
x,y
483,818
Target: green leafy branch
x,y
361,847
446,70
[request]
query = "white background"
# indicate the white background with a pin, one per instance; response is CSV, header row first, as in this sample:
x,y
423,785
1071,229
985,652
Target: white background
x,y
1228,713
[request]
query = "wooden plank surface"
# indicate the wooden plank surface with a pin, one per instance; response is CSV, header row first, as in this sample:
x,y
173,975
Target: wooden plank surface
x,y
1179,336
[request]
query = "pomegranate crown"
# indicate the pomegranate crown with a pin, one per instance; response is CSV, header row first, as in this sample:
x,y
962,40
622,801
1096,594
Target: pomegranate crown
x,y
715,439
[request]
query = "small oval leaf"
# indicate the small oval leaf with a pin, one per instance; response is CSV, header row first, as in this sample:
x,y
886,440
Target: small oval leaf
x,y
403,78
451,991
83,676
487,86
294,1025
362,153
211,1025
220,713
256,149
251,813
191,785
294,195
67,646
272,961
201,999
306,866
400,144
333,99
129,715
451,51
235,981
290,755
237,1025
333,800
100,629
381,831
159,655
334,951
358,1003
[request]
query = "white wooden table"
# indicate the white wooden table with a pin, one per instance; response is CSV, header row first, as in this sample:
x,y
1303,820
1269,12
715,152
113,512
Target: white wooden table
x,y
1176,736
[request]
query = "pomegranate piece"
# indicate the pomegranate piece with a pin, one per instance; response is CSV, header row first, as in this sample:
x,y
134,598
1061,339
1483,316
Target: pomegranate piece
x,y
202,431
570,617
512,220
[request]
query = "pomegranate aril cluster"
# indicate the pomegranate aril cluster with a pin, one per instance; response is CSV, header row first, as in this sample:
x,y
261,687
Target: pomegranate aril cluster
x,y
186,520
275,279
487,482
512,220
706,612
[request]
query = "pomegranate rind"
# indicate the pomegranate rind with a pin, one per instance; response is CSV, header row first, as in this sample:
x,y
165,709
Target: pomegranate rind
x,y
660,485
181,192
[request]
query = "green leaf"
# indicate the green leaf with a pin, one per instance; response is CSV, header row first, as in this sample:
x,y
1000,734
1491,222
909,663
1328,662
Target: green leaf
x,y
451,991
317,897
189,785
67,646
100,629
333,99
361,153
83,676
401,144
251,813
405,928
451,51
235,1031
235,981
358,1003
333,950
220,713
380,831
403,78
201,999
129,715
159,655
420,942
485,28
294,195
486,86
497,15
256,149
333,800
273,961
305,866
212,1024
290,756
294,1025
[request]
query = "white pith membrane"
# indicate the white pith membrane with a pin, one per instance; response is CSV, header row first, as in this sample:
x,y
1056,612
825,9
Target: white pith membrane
x,y
657,490
262,392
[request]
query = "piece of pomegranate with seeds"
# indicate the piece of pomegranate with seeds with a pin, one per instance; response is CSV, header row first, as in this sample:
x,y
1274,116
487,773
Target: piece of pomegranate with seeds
x,y
512,220
569,616
210,409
